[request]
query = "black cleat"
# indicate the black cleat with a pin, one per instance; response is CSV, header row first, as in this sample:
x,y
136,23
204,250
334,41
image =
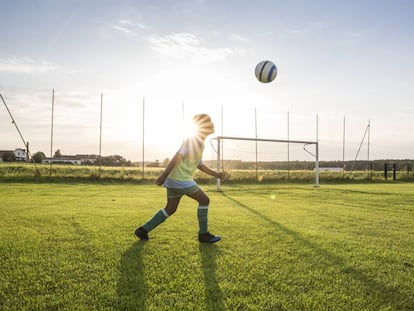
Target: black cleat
x,y
141,233
208,238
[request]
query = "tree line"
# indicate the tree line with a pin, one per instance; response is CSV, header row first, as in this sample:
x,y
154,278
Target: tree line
x,y
376,165
118,160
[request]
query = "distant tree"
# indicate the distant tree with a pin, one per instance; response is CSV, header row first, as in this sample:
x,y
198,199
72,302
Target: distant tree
x,y
9,156
115,160
154,164
38,157
165,162
58,154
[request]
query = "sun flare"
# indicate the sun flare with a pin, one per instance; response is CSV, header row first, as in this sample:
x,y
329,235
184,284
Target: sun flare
x,y
189,128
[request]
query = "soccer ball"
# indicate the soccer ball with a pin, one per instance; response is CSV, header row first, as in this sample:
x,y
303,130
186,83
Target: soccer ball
x,y
266,71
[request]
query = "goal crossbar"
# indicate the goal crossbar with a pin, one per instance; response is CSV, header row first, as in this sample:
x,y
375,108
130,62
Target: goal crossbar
x,y
256,139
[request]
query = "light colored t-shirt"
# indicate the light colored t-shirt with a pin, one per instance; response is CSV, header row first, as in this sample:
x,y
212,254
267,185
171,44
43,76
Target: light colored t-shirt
x,y
181,176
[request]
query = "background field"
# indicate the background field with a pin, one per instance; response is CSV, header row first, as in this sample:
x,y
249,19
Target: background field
x,y
28,172
70,246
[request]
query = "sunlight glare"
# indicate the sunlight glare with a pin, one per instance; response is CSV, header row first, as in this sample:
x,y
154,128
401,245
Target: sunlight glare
x,y
189,128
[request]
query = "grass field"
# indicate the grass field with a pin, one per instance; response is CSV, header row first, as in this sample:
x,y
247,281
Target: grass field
x,y
70,246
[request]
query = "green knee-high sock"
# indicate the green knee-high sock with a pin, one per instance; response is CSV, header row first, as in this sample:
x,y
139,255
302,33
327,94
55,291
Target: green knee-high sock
x,y
157,219
202,214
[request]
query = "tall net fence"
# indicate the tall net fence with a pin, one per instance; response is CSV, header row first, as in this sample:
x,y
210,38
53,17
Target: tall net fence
x,y
149,130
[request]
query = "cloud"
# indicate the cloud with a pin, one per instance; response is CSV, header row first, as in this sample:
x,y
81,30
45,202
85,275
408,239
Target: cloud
x,y
299,31
312,27
351,38
26,65
238,38
129,27
123,29
188,46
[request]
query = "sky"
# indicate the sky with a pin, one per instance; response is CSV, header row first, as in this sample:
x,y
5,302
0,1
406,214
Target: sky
x,y
343,67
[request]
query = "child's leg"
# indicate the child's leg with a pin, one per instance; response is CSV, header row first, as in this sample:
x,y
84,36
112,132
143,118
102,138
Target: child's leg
x,y
202,210
160,216
202,213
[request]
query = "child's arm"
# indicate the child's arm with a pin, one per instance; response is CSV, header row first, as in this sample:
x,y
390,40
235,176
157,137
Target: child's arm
x,y
204,168
173,162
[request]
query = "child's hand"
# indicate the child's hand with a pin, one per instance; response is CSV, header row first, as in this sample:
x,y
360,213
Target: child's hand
x,y
160,180
222,176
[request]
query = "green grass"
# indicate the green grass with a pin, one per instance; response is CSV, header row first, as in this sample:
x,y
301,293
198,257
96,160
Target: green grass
x,y
284,247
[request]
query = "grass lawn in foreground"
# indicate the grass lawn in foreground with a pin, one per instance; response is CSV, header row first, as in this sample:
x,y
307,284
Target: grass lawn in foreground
x,y
284,247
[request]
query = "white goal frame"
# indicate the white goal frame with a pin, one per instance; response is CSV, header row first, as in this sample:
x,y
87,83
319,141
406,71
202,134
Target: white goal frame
x,y
304,142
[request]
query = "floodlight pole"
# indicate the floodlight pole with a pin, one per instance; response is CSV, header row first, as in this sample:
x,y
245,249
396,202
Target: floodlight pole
x,y
100,138
317,164
317,153
183,120
143,138
222,142
359,149
218,162
51,133
21,135
255,130
343,148
13,122
288,146
369,134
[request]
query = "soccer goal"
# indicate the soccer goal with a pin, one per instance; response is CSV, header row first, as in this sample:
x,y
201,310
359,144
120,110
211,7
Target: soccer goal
x,y
251,146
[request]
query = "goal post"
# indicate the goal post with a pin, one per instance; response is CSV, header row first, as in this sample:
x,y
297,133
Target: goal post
x,y
220,139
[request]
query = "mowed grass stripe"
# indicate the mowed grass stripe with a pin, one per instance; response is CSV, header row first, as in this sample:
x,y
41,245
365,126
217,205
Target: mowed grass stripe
x,y
367,230
284,247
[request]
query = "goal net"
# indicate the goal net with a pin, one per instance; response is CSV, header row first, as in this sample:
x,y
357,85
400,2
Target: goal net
x,y
259,155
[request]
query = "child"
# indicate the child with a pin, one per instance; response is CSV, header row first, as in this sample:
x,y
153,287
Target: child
x,y
178,179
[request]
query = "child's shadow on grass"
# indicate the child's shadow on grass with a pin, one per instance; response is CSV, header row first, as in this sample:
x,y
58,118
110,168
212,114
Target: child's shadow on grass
x,y
384,294
132,290
213,294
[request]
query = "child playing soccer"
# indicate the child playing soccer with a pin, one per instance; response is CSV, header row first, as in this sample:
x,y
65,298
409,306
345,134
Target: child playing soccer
x,y
178,179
